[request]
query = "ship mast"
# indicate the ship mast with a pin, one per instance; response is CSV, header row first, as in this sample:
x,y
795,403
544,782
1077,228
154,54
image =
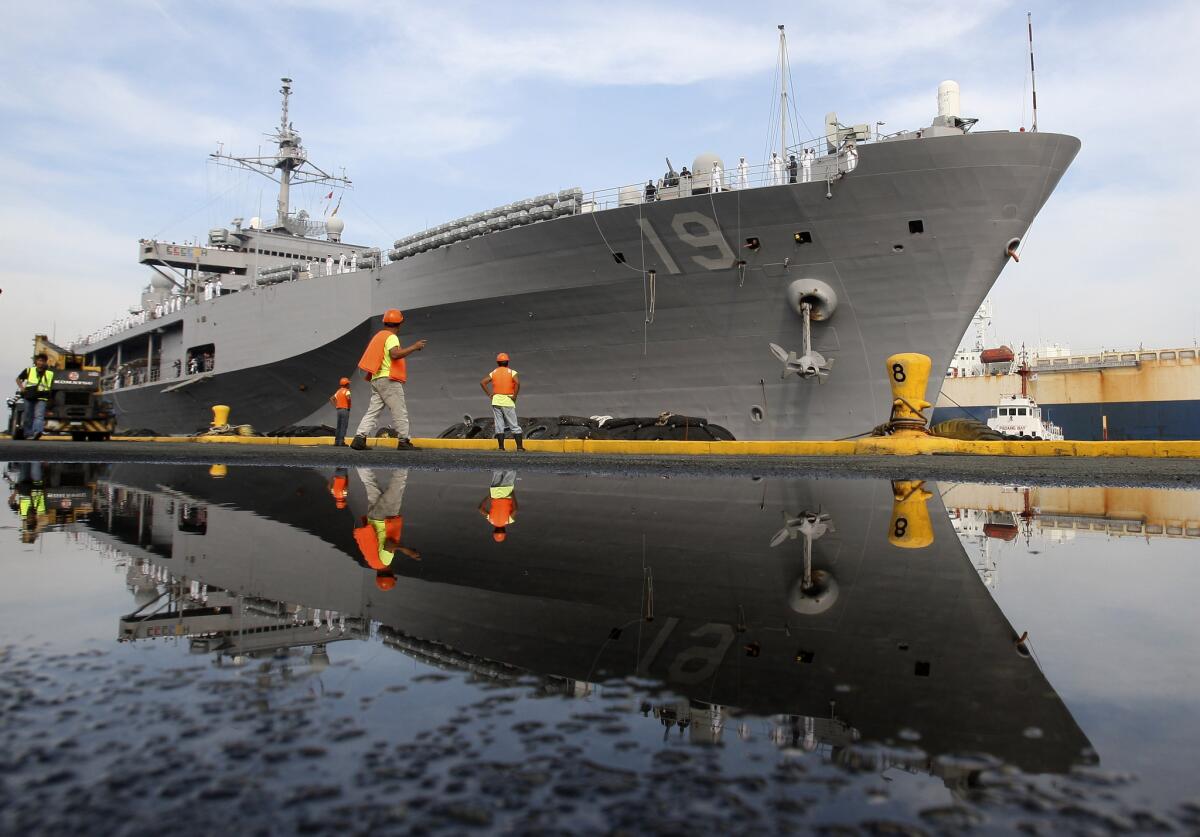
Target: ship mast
x,y
783,96
290,165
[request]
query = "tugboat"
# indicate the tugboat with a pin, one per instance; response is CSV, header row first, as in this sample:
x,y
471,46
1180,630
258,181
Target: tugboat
x,y
1019,416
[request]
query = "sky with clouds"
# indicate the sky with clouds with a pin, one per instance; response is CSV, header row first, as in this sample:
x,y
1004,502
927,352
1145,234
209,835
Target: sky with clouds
x,y
438,110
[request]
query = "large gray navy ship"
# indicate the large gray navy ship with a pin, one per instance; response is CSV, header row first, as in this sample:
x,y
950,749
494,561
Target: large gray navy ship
x,y
729,292
792,600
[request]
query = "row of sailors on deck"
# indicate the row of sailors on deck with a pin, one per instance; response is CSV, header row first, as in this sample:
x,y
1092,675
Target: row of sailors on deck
x,y
777,172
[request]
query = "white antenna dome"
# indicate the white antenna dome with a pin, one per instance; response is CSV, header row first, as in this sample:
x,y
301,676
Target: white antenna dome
x,y
161,283
334,227
948,99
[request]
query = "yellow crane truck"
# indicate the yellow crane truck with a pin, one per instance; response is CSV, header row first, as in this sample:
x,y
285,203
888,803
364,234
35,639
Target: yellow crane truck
x,y
77,406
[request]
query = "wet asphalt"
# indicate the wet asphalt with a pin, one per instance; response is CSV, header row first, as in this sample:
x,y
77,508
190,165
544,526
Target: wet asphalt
x,y
1111,471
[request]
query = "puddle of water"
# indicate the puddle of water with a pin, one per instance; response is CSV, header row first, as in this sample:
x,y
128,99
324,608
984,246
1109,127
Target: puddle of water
x,y
394,649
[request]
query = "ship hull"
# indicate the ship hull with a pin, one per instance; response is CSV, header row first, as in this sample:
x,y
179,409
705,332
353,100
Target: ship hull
x,y
911,640
570,300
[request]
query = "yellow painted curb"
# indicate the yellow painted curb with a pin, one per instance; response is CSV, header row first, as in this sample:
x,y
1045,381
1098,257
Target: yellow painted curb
x,y
871,446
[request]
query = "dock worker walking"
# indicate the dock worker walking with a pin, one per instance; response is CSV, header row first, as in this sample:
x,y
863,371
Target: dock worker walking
x,y
380,532
35,383
504,389
341,402
383,364
500,506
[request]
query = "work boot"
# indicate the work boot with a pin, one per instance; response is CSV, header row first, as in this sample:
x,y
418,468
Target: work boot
x,y
520,442
359,443
500,440
405,444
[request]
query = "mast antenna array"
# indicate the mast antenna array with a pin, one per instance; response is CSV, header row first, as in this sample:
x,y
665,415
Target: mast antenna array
x,y
287,167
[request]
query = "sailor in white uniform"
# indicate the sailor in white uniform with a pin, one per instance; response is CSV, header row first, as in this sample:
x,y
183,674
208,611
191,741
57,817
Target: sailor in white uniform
x,y
851,156
743,173
806,161
717,177
775,166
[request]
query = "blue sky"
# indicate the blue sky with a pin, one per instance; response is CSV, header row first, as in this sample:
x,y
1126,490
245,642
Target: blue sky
x,y
110,110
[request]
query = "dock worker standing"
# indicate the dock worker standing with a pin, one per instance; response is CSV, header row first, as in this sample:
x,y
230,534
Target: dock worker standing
x,y
35,383
500,506
339,487
504,389
383,364
341,402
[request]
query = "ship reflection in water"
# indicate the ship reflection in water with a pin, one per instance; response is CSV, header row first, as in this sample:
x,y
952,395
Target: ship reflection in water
x,y
845,612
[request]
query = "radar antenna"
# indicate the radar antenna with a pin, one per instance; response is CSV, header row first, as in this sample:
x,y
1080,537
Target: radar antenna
x,y
289,166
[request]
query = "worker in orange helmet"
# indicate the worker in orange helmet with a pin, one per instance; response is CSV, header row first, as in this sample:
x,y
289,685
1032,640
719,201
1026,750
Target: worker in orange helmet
x,y
339,487
383,364
380,531
504,387
341,403
500,506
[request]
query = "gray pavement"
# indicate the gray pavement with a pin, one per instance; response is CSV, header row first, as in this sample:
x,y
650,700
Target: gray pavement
x,y
1163,473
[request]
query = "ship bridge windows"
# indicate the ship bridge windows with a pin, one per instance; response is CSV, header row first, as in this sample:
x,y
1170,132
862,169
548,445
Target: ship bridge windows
x,y
916,227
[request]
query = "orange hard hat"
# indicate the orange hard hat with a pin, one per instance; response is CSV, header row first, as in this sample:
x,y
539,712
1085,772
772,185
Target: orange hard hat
x,y
345,382
499,535
393,316
501,358
385,581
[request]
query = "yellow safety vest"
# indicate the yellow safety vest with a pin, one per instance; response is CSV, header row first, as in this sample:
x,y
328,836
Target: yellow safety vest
x,y
37,501
42,379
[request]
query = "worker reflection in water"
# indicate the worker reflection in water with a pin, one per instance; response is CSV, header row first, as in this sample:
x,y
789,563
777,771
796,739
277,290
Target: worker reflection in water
x,y
500,506
380,533
341,403
35,383
339,487
384,365
504,388
31,499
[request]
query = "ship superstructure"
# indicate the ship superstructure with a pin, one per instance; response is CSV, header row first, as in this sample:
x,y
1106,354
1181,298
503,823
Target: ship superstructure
x,y
761,301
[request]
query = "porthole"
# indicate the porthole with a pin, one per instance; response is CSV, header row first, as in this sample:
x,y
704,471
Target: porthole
x,y
897,248
756,414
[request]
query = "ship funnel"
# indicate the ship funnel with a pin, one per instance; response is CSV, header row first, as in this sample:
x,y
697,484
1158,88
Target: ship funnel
x,y
948,100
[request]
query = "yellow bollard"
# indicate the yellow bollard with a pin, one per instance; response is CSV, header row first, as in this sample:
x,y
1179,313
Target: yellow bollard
x,y
220,415
908,374
218,472
910,527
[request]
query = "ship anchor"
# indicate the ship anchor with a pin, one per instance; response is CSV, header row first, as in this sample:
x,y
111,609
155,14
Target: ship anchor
x,y
809,363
